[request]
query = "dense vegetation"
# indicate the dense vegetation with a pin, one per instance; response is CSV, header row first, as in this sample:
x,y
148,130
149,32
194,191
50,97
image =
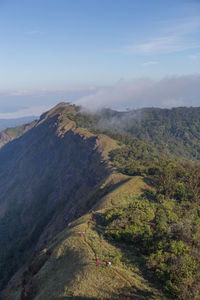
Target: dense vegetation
x,y
175,131
169,131
164,225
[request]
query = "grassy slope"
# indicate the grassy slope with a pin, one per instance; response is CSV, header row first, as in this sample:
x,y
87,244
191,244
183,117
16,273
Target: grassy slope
x,y
12,133
68,269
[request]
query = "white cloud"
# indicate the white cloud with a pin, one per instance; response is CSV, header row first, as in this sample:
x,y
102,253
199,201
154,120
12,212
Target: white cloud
x,y
177,38
29,111
184,27
45,92
26,102
168,92
150,63
34,32
161,45
193,56
22,92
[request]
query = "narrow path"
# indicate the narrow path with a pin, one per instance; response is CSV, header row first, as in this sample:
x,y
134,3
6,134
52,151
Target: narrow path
x,y
122,276
113,268
86,242
119,274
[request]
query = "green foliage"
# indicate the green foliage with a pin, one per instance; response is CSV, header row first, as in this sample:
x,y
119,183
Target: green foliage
x,y
170,131
135,158
165,227
83,120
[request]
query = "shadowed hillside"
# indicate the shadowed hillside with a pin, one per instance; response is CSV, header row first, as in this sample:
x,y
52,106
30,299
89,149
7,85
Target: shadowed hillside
x,y
46,175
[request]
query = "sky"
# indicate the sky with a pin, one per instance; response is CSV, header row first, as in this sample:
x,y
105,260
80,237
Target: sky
x,y
115,53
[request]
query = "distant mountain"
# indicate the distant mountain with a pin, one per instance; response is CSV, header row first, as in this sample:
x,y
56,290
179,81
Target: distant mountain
x,y
77,187
175,131
7,123
12,133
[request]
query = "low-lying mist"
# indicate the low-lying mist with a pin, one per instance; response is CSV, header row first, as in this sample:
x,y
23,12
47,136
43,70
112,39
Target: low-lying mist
x,y
171,91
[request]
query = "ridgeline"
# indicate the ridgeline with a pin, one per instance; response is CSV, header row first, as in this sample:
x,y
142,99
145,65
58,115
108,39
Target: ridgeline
x,y
129,181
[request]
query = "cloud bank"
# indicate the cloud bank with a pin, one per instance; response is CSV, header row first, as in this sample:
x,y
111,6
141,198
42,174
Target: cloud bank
x,y
29,111
28,102
171,91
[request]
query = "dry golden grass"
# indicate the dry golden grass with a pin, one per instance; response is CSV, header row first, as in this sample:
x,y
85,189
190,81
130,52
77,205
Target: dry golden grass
x,y
71,270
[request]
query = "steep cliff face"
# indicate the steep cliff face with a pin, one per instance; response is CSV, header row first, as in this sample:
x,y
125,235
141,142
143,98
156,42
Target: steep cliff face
x,y
47,179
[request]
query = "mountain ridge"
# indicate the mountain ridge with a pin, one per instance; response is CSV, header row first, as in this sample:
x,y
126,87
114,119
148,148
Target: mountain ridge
x,y
137,206
8,123
25,160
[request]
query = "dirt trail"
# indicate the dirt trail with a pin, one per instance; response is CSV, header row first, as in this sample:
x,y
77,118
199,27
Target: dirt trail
x,y
119,274
122,276
86,242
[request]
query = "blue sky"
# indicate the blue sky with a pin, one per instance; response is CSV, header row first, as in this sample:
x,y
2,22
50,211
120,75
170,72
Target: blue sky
x,y
59,50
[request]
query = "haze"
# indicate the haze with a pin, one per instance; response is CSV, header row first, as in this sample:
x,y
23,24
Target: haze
x,y
120,54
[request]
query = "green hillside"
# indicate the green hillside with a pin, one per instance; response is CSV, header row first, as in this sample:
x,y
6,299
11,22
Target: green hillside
x,y
138,206
12,133
11,123
173,131
67,269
